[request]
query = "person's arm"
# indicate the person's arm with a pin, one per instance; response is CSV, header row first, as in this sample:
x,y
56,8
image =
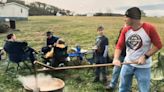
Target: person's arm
x,y
152,51
55,41
105,51
105,54
116,60
5,46
119,46
48,44
157,45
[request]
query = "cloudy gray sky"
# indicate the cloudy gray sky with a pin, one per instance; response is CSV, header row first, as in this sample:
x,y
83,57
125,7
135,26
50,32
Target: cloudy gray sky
x,y
150,7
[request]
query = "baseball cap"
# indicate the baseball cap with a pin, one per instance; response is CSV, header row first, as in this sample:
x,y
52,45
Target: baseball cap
x,y
49,33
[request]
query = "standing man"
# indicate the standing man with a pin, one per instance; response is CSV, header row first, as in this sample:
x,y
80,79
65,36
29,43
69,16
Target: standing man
x,y
116,69
101,53
142,41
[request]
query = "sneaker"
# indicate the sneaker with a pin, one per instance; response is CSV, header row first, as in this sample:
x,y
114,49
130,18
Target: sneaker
x,y
108,87
105,81
61,65
44,68
96,80
48,63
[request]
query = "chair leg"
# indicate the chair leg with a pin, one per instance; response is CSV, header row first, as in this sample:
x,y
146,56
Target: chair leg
x,y
17,69
155,86
18,66
7,66
27,66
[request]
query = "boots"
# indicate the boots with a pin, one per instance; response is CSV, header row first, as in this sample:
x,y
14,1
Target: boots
x,y
97,79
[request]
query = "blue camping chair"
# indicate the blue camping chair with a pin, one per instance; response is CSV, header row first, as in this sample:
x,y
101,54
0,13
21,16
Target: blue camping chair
x,y
16,52
77,53
81,55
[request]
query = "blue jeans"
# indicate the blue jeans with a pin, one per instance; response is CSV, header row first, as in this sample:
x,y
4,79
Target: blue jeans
x,y
141,74
115,74
103,70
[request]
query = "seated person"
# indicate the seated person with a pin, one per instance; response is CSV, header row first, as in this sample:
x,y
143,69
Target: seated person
x,y
49,44
60,53
18,50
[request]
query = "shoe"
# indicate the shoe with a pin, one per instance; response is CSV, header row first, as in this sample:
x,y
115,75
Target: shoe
x,y
61,65
44,68
96,80
104,80
108,87
48,63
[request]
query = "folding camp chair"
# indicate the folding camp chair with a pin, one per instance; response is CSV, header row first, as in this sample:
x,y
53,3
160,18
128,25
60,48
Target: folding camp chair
x,y
17,62
157,78
16,54
81,55
1,53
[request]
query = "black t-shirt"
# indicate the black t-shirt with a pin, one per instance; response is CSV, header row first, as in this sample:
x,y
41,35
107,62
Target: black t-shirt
x,y
101,42
52,40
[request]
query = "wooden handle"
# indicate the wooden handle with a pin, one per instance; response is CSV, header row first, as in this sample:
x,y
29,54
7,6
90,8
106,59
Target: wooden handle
x,y
42,64
76,67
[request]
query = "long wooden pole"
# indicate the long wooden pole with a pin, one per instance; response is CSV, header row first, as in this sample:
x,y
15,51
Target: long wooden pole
x,y
75,67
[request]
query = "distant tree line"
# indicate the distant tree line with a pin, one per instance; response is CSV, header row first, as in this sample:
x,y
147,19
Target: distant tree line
x,y
107,14
115,14
38,8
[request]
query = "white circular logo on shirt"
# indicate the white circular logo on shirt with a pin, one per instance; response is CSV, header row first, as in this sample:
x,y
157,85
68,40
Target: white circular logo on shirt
x,y
134,42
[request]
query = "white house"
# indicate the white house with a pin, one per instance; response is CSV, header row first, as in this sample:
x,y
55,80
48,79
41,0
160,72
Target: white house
x,y
58,14
90,14
13,11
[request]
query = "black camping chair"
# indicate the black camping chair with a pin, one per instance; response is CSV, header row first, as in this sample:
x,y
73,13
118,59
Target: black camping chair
x,y
157,77
16,54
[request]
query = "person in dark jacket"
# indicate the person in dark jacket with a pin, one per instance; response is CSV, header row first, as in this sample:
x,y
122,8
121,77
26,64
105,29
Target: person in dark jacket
x,y
50,41
18,50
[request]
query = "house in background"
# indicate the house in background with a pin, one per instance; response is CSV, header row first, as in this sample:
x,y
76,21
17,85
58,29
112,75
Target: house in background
x,y
90,14
13,11
58,14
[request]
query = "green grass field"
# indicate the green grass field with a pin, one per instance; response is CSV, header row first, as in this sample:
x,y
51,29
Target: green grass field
x,y
73,30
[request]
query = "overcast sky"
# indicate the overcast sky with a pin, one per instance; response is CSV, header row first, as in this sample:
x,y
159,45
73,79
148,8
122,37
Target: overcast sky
x,y
150,7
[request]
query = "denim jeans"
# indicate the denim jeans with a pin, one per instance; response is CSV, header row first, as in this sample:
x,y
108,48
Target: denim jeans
x,y
30,54
115,74
141,74
103,70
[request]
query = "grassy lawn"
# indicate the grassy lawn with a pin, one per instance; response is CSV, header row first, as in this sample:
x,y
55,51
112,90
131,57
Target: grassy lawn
x,y
73,30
